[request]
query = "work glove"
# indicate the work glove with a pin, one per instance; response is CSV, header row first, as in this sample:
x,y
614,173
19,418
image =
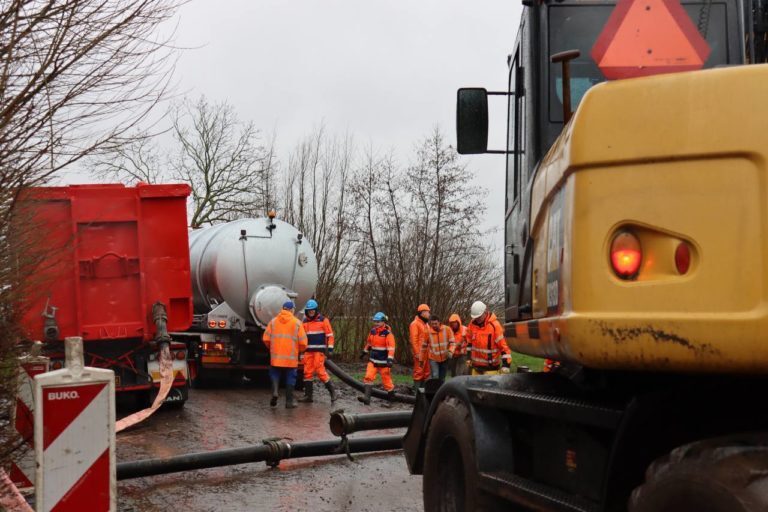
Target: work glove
x,y
389,362
505,369
505,364
363,355
326,352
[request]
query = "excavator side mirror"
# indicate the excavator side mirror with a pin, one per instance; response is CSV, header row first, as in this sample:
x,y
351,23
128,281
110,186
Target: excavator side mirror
x,y
472,121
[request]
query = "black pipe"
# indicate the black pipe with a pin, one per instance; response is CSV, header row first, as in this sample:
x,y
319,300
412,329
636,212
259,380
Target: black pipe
x,y
271,452
345,424
378,393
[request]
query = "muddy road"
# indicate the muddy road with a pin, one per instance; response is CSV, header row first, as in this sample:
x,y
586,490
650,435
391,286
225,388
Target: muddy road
x,y
229,417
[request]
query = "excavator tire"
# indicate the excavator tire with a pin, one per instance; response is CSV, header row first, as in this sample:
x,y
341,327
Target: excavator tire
x,y
450,470
727,474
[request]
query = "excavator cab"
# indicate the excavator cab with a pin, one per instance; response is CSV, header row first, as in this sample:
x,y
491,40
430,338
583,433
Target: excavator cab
x,y
628,39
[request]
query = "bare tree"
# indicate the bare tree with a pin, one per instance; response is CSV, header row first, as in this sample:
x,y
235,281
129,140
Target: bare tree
x,y
223,161
317,200
76,77
136,161
419,236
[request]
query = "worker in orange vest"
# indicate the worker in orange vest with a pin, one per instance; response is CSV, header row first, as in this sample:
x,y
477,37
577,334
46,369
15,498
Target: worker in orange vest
x,y
380,351
320,339
488,350
440,347
418,334
458,363
286,340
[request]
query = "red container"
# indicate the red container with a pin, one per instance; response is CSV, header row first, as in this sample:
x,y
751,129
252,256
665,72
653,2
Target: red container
x,y
109,252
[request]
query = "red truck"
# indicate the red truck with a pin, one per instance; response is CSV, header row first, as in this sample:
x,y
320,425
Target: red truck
x,y
115,271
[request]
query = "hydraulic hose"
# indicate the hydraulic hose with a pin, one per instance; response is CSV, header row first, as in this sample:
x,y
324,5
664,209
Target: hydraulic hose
x,y
378,393
343,424
271,452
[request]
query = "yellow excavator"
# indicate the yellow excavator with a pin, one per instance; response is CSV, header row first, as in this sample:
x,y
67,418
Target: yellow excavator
x,y
636,256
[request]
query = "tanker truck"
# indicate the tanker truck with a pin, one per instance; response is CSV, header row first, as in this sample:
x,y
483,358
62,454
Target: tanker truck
x,y
242,272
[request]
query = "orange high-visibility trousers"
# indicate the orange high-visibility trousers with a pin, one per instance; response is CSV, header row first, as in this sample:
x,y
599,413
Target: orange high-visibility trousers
x,y
386,376
421,369
314,362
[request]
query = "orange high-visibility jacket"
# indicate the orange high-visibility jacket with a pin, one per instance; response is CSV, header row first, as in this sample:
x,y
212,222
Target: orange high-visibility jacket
x,y
381,345
441,344
319,333
460,336
285,338
419,336
486,344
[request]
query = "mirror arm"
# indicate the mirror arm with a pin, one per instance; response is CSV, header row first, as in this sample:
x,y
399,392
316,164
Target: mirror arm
x,y
565,59
501,152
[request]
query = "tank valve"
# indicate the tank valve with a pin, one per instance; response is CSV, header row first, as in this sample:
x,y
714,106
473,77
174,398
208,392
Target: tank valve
x,y
271,214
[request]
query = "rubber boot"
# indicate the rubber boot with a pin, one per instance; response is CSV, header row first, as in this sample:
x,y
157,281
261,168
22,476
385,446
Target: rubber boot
x,y
367,398
275,387
390,400
308,392
331,390
290,403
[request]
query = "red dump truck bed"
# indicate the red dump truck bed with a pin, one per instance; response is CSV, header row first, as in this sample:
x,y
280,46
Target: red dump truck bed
x,y
109,253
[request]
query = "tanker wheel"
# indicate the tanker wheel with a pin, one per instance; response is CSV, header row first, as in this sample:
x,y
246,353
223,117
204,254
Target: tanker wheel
x,y
719,475
451,481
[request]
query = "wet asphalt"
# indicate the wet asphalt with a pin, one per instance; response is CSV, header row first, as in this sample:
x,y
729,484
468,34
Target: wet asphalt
x,y
226,416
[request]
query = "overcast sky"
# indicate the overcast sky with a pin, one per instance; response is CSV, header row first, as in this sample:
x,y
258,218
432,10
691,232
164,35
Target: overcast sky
x,y
385,71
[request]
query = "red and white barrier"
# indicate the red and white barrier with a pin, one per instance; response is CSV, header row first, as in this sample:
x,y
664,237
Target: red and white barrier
x,y
75,436
22,470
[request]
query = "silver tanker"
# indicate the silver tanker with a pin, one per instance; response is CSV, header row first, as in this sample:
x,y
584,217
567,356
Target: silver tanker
x,y
242,273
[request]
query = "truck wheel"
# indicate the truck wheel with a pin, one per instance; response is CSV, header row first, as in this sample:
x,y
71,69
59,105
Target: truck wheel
x,y
450,470
720,475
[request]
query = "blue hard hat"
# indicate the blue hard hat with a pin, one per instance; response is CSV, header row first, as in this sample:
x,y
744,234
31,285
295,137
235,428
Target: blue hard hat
x,y
311,304
379,317
288,304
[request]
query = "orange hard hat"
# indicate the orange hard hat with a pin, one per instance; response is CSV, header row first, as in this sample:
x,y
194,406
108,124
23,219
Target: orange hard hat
x,y
422,307
455,318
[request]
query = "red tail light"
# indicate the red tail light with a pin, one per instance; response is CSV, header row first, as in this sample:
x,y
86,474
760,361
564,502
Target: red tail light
x,y
683,257
222,323
626,255
181,355
212,324
57,365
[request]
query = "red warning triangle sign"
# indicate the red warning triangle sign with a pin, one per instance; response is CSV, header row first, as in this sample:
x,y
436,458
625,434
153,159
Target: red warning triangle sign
x,y
649,37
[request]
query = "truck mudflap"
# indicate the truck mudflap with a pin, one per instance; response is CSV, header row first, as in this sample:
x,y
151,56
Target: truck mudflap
x,y
414,441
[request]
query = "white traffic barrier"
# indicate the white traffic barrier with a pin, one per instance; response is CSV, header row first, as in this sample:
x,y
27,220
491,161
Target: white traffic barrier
x,y
75,436
22,470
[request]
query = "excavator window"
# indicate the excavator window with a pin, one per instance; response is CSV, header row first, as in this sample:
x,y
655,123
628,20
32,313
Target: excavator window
x,y
578,27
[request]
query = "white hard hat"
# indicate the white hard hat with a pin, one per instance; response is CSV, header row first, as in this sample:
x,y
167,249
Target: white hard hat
x,y
477,309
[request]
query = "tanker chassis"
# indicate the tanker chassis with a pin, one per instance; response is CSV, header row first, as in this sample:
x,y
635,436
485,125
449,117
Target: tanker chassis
x,y
242,273
636,242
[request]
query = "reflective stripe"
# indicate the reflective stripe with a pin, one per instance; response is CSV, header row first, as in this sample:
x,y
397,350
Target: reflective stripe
x,y
285,336
285,358
499,339
483,350
314,332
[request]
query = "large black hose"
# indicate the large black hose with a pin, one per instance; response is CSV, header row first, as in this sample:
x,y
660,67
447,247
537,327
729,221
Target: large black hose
x,y
378,393
344,424
271,452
